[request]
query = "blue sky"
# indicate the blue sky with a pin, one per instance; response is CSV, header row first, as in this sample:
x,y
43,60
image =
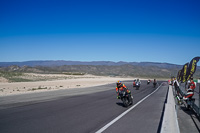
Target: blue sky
x,y
100,30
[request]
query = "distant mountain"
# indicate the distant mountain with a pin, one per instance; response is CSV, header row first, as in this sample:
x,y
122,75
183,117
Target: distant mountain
x,y
51,63
142,69
102,70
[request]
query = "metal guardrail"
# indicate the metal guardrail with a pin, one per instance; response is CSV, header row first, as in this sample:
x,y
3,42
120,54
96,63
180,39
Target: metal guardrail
x,y
194,106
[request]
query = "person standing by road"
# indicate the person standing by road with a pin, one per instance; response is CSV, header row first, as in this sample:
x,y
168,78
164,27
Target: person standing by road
x,y
190,90
154,83
176,86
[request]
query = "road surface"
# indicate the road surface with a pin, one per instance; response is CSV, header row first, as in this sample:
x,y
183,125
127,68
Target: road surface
x,y
88,111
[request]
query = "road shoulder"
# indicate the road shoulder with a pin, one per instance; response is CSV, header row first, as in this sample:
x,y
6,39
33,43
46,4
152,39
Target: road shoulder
x,y
144,117
187,119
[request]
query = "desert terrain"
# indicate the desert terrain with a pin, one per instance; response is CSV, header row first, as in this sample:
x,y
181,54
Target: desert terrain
x,y
51,82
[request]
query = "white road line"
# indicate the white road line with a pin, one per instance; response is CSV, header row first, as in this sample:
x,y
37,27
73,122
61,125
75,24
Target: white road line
x,y
124,113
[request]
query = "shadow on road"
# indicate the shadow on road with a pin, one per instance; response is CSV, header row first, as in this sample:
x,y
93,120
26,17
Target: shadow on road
x,y
120,104
193,116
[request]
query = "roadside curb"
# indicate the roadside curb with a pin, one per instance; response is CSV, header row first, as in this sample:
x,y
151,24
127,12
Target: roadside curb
x,y
170,122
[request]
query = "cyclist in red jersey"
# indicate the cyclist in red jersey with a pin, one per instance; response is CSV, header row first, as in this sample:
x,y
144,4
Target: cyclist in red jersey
x,y
190,90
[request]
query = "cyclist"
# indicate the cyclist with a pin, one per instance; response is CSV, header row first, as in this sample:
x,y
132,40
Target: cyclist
x,y
121,87
190,90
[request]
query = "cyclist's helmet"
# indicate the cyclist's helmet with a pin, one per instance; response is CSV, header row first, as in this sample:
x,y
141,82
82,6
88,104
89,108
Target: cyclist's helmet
x,y
119,82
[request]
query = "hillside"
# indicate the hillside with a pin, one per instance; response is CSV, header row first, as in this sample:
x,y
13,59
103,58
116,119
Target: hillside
x,y
133,69
92,63
123,70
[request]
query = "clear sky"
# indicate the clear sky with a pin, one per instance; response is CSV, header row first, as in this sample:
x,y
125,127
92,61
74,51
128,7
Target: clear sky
x,y
100,30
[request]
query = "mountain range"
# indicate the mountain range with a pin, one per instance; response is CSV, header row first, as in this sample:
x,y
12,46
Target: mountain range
x,y
51,63
104,68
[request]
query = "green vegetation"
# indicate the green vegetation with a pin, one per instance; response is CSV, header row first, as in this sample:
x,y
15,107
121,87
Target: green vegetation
x,y
73,73
39,88
7,74
13,76
16,79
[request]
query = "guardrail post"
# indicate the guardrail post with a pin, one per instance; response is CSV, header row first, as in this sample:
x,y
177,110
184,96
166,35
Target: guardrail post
x,y
199,99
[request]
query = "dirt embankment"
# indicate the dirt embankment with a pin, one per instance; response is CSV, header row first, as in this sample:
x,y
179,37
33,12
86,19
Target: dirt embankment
x,y
50,82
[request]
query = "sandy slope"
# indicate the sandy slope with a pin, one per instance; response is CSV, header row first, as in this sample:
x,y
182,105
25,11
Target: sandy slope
x,y
38,86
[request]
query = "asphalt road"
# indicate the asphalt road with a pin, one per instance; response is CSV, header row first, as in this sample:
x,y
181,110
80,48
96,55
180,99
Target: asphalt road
x,y
70,112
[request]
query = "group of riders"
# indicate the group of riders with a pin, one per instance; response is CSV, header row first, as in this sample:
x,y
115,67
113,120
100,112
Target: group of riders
x,y
190,91
121,87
